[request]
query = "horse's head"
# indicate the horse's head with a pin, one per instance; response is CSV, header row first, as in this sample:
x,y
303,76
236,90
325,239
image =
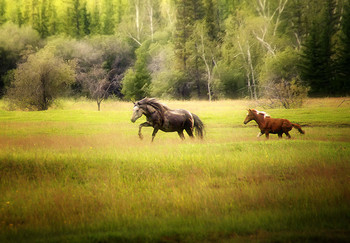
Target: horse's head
x,y
249,117
255,115
137,112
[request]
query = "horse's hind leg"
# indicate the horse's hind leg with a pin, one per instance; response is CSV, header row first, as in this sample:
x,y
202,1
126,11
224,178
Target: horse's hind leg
x,y
280,135
288,135
181,134
189,132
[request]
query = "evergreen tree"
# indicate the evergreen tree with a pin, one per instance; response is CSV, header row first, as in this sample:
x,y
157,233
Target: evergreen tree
x,y
2,11
137,80
73,19
26,12
330,22
119,11
95,25
19,16
183,31
44,20
343,59
85,19
318,66
108,17
211,19
35,15
53,20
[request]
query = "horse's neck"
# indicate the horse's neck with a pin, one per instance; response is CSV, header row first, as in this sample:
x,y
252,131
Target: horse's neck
x,y
260,120
154,116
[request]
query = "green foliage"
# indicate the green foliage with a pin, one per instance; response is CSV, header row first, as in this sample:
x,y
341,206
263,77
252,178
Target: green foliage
x,y
281,66
280,80
137,80
2,11
342,83
14,42
165,77
318,67
229,81
39,81
239,35
108,17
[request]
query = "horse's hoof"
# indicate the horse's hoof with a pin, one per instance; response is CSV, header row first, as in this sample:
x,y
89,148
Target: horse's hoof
x,y
141,137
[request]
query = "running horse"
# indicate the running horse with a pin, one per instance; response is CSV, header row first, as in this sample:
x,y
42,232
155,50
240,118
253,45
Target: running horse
x,y
161,117
269,125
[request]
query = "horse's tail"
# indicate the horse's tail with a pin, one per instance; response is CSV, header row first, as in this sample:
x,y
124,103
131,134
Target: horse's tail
x,y
199,126
297,126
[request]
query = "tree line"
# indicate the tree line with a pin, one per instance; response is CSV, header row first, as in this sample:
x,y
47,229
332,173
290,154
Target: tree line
x,y
281,50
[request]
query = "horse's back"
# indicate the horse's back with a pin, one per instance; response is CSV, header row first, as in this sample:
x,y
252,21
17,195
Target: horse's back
x,y
176,120
278,124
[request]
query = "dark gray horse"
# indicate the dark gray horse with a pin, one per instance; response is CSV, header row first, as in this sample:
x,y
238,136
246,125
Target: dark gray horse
x,y
161,117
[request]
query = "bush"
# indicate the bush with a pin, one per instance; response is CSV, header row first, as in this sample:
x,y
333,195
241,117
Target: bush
x,y
38,82
280,82
289,94
14,42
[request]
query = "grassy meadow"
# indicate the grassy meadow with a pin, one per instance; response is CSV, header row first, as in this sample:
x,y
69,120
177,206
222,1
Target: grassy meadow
x,y
73,174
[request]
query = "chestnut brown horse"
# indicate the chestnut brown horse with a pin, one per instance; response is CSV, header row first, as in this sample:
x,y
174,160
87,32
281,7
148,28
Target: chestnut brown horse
x,y
161,117
269,125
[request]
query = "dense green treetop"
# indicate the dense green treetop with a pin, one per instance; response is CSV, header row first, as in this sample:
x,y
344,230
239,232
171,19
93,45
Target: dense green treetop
x,y
186,48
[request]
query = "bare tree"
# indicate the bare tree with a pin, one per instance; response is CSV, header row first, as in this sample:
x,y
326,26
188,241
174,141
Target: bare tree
x,y
272,20
150,15
289,94
96,84
249,67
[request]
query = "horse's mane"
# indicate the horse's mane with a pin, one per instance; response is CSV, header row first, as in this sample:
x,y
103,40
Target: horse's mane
x,y
161,108
261,113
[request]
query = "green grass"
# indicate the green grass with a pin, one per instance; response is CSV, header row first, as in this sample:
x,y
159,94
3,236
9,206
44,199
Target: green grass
x,y
72,174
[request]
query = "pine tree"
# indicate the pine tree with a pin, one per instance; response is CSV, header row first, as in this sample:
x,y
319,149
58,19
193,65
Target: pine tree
x,y
35,15
95,25
343,59
137,80
19,16
211,19
73,19
330,21
43,20
26,12
318,66
183,31
2,11
53,21
85,20
108,17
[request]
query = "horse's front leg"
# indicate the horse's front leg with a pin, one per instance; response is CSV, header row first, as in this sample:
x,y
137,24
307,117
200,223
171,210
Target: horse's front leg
x,y
260,134
145,124
155,130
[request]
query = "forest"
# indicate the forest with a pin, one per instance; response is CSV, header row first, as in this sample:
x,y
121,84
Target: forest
x,y
280,50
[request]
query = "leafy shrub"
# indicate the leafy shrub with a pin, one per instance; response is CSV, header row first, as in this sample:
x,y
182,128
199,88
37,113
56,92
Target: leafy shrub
x,y
38,81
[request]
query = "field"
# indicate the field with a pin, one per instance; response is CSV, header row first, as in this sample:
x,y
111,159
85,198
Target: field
x,y
73,174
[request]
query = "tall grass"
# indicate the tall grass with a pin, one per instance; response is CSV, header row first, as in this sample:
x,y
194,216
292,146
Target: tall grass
x,y
75,174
